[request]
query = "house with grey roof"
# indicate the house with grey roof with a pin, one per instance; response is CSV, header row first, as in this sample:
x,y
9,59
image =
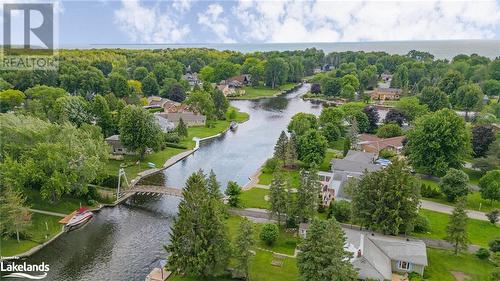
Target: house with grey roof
x,y
353,165
117,147
382,257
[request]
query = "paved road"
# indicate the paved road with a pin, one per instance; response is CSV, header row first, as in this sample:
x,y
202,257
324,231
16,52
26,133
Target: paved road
x,y
447,209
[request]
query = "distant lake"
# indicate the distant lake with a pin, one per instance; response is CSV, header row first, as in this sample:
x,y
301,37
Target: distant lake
x,y
440,49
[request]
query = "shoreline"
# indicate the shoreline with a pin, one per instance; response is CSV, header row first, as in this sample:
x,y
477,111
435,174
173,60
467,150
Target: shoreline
x,y
168,163
282,92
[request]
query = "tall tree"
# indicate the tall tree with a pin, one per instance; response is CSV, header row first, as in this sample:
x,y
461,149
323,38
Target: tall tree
x,y
434,98
467,97
275,72
277,196
291,153
198,240
396,116
373,117
102,115
308,194
387,200
452,80
150,86
72,109
437,142
489,185
220,103
456,231
181,129
411,107
301,122
331,86
322,255
14,216
454,184
138,130
242,252
233,192
9,99
281,146
482,137
214,186
311,147
118,85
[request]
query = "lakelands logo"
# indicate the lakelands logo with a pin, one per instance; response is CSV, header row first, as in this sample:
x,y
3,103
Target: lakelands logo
x,y
29,41
25,270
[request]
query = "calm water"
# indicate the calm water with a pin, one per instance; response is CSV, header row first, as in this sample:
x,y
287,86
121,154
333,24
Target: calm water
x,y
126,242
445,49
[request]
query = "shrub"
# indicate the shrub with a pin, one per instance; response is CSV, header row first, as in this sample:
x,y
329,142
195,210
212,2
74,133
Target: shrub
x,y
389,130
483,253
171,137
340,210
269,233
494,245
413,276
422,224
387,154
429,192
271,165
109,181
493,216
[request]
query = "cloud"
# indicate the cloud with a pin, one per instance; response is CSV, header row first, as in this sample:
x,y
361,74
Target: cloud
x,y
333,21
218,24
148,24
182,5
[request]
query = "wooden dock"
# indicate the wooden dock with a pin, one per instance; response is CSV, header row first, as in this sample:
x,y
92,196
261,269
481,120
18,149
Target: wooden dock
x,y
66,219
158,274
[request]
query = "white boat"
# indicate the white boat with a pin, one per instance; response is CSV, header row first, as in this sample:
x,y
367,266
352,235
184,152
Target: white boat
x,y
233,126
82,216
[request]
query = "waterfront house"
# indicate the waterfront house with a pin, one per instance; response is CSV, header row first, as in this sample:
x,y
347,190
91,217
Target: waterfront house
x,y
192,79
381,257
386,94
162,121
373,144
189,117
117,147
237,81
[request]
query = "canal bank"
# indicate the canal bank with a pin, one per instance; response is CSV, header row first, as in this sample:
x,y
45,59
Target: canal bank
x,y
126,242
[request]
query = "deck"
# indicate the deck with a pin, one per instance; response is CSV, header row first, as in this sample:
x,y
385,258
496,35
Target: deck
x,y
158,274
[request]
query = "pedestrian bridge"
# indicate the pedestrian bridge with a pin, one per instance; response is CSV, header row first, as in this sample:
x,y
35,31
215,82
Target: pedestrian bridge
x,y
138,189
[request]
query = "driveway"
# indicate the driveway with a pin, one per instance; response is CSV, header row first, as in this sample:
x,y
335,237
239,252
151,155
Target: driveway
x,y
447,209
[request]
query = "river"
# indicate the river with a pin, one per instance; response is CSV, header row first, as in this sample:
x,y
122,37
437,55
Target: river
x,y
126,242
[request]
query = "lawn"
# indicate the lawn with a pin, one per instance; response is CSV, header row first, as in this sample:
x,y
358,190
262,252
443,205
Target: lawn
x,y
442,262
260,270
293,176
480,232
256,92
159,158
474,200
325,166
37,234
65,205
254,198
474,175
286,243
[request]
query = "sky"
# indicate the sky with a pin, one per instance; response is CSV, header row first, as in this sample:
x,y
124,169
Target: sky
x,y
251,21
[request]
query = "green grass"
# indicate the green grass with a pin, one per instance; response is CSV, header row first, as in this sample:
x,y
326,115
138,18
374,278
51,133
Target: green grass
x,y
474,176
159,158
480,232
325,166
260,270
286,243
474,200
338,144
36,234
65,205
441,262
293,176
256,92
254,198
